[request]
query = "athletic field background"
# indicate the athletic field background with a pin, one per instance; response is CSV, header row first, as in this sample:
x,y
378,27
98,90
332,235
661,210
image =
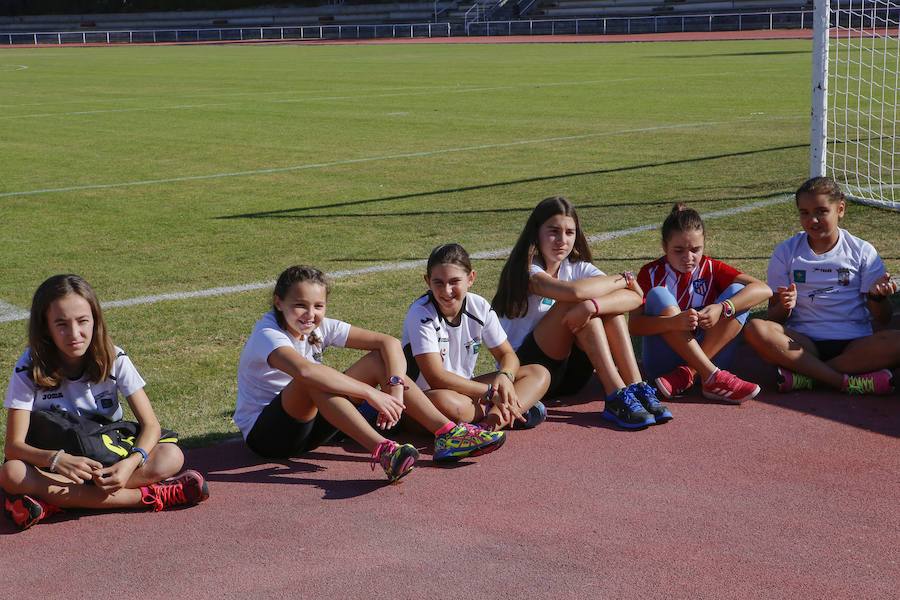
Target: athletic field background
x,y
158,170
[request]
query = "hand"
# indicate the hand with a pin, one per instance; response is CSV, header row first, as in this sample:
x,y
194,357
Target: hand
x,y
112,479
631,283
787,296
687,320
708,316
388,406
507,400
579,316
77,468
883,287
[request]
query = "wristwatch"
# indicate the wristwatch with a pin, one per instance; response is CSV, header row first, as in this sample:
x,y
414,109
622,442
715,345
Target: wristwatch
x,y
397,380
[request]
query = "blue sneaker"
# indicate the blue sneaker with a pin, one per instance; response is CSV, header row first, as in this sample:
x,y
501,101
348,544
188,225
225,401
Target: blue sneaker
x,y
646,395
536,415
625,410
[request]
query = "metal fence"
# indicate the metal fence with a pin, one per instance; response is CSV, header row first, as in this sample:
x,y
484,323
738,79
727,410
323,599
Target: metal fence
x,y
602,25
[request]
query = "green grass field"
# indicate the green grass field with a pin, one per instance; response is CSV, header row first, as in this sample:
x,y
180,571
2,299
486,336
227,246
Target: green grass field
x,y
175,169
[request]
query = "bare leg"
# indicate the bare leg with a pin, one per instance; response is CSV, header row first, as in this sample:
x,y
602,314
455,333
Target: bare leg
x,y
165,460
880,350
616,328
531,384
455,406
719,336
17,477
790,349
684,344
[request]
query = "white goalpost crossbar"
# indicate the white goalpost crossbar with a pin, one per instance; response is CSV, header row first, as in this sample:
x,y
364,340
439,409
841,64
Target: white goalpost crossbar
x,y
855,81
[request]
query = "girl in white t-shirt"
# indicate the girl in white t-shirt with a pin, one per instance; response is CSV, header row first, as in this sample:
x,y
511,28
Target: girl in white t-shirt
x,y
289,402
829,286
562,312
443,333
72,365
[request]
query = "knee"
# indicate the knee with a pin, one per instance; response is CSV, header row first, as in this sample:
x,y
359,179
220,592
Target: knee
x,y
661,303
755,331
536,372
731,291
12,476
167,461
889,341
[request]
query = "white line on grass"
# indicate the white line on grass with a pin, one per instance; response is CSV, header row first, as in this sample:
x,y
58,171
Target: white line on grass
x,y
402,155
10,312
13,67
388,267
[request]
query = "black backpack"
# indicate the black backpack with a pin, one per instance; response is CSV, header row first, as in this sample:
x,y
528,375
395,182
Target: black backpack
x,y
91,436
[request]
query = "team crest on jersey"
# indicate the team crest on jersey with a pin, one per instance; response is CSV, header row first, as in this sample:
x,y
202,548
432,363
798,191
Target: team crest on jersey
x,y
700,286
799,276
843,276
104,400
474,345
317,356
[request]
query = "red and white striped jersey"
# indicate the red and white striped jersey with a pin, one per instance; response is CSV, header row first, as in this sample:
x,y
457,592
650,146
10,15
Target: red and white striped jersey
x,y
696,289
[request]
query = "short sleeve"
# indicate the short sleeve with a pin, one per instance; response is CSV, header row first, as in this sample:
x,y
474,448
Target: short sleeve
x,y
334,333
493,334
534,270
420,331
724,274
871,268
128,380
265,340
777,274
21,390
584,269
643,279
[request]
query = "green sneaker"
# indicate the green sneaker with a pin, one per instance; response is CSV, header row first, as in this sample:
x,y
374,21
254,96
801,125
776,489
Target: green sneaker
x,y
466,440
788,381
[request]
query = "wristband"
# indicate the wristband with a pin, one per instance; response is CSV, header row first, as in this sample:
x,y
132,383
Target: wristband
x,y
509,376
728,309
54,461
596,307
628,276
142,452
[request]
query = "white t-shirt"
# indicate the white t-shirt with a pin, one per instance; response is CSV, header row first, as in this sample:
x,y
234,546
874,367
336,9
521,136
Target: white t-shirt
x,y
518,329
79,396
831,287
258,382
426,331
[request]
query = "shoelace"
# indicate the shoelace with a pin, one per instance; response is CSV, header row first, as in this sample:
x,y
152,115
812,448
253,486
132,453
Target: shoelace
x,y
167,495
385,447
860,385
631,400
647,392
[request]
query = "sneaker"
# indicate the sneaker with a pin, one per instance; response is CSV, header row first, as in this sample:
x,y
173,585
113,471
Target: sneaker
x,y
536,415
729,388
466,440
877,382
396,460
646,395
625,410
788,381
185,489
25,511
675,383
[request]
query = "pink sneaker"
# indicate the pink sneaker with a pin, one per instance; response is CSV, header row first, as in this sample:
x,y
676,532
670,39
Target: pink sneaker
x,y
877,382
25,511
729,388
185,489
676,382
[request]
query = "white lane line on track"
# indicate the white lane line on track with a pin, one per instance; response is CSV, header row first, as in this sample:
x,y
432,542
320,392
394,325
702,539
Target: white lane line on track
x,y
403,155
393,266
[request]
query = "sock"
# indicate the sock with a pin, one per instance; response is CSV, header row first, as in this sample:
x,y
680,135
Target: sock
x,y
711,377
444,429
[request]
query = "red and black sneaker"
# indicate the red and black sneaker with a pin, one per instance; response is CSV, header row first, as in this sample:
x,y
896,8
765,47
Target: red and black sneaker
x,y
25,511
186,489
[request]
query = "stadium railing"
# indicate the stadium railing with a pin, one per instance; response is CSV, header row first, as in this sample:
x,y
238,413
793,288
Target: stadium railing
x,y
606,25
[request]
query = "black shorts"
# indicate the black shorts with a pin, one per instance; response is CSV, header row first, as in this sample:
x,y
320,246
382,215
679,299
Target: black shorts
x,y
829,349
277,434
567,376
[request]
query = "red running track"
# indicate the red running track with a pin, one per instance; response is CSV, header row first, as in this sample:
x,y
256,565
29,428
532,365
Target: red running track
x,y
788,496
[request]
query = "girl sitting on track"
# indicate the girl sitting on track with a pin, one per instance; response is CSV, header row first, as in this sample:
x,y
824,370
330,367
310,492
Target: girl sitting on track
x,y
442,335
71,364
829,285
562,312
694,306
289,402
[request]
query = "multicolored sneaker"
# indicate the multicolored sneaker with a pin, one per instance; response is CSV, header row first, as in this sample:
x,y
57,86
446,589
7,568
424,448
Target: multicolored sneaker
x,y
25,511
676,382
728,387
788,381
535,415
396,460
185,489
466,440
646,395
877,382
625,410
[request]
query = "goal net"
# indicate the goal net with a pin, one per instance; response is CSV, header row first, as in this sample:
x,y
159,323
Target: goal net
x,y
856,62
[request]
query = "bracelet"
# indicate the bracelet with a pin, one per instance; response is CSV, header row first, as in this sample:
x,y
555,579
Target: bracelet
x,y
142,452
728,309
628,276
54,461
489,394
509,376
596,307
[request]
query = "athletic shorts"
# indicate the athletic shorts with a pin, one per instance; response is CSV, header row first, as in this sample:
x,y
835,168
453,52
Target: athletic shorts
x,y
567,376
277,434
829,349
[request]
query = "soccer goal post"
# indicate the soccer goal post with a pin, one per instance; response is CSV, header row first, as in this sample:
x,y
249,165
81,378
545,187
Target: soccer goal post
x,y
854,132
